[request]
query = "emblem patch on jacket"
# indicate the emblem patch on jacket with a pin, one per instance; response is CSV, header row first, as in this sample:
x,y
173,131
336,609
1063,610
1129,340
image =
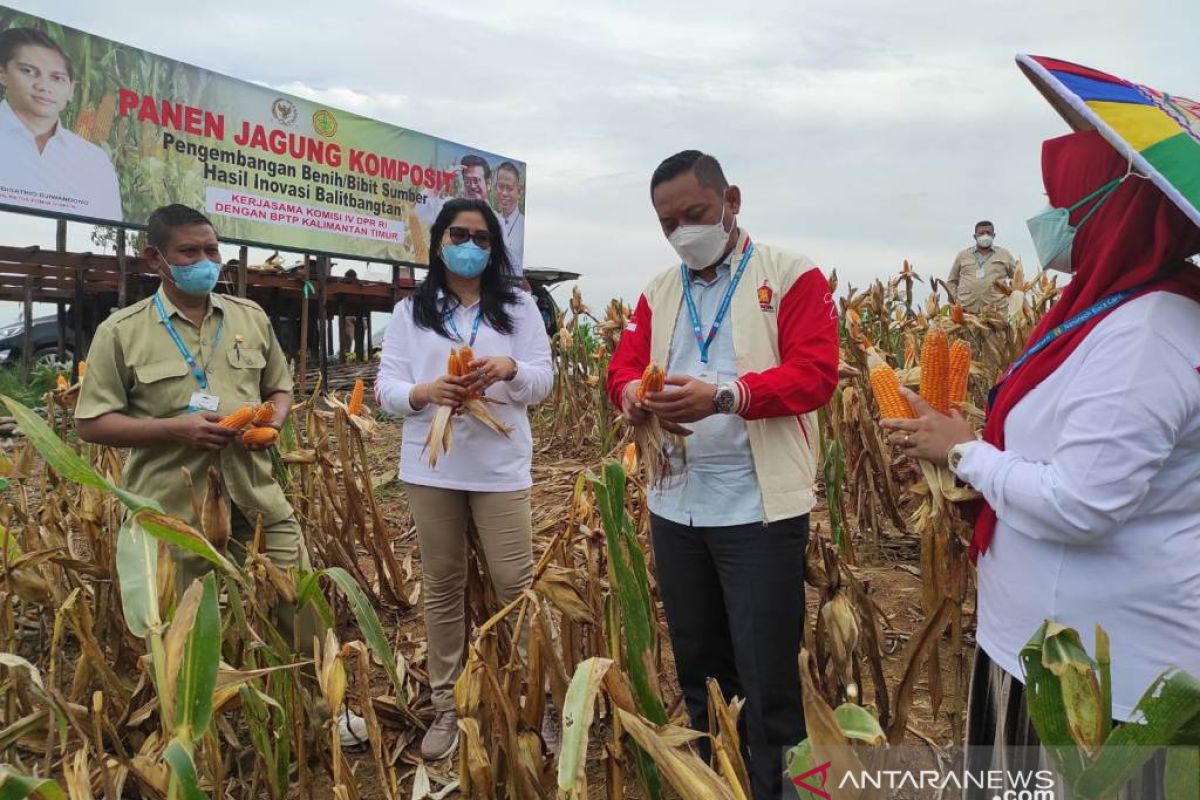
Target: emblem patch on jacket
x,y
766,297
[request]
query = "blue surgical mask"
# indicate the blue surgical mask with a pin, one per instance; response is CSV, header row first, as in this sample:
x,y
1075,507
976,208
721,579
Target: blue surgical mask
x,y
198,278
1053,234
466,260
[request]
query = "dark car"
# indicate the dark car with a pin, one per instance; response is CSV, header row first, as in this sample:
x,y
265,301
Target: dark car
x,y
44,339
541,281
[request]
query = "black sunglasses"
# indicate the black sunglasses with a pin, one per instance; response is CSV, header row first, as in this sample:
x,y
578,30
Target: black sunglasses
x,y
459,235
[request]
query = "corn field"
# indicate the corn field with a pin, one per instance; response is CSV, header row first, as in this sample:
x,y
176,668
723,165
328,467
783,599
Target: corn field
x,y
116,685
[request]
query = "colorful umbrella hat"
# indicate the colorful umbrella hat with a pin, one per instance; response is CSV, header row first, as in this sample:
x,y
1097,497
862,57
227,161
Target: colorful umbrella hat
x,y
1159,132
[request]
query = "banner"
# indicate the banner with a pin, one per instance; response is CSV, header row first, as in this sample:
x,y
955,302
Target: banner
x,y
94,130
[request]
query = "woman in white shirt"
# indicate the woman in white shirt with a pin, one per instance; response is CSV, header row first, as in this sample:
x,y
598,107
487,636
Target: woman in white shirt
x,y
467,299
1090,458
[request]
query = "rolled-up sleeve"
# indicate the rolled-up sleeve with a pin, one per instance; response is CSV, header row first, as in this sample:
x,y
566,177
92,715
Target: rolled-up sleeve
x,y
395,380
531,351
1120,418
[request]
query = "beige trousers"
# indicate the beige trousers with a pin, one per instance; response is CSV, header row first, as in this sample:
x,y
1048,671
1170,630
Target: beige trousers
x,y
505,524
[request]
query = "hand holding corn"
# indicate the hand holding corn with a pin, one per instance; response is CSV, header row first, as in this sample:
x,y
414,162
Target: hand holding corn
x,y
489,370
931,434
201,430
683,398
448,390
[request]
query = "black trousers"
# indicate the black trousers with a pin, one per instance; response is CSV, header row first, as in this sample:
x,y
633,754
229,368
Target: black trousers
x,y
734,597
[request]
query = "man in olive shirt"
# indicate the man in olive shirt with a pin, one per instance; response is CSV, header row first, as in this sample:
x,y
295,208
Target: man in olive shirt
x,y
972,281
164,371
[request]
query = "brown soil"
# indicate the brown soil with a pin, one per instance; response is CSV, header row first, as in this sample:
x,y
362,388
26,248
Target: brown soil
x,y
889,570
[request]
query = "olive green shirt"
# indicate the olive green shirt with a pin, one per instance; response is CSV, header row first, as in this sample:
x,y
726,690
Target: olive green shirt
x,y
135,368
973,277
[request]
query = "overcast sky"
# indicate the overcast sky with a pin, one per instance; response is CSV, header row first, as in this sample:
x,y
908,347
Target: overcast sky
x,y
861,132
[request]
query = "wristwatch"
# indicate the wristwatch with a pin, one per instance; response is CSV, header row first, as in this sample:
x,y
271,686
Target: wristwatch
x,y
955,455
724,399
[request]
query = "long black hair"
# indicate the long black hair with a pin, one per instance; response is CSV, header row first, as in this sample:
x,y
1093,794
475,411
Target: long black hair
x,y
496,290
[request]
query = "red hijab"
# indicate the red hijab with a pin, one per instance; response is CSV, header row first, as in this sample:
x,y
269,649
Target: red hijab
x,y
1129,241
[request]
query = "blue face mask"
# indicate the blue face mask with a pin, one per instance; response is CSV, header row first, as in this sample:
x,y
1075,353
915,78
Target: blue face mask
x,y
1053,234
198,278
466,260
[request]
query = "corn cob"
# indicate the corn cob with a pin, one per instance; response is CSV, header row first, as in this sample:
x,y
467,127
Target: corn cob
x,y
885,385
260,436
85,122
239,419
264,413
465,357
935,370
653,380
417,236
629,459
355,406
960,371
956,314
82,369
102,122
61,383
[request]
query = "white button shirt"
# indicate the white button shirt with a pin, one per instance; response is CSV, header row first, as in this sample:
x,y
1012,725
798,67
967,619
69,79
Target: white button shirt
x,y
712,481
69,176
514,238
1098,500
480,459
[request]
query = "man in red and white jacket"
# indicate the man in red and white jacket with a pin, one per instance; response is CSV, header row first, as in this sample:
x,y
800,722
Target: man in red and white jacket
x,y
748,337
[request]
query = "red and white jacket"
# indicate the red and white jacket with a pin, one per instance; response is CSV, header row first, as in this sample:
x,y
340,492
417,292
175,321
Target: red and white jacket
x,y
785,340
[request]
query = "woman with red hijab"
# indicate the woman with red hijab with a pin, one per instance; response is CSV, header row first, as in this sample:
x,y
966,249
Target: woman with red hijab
x,y
1089,464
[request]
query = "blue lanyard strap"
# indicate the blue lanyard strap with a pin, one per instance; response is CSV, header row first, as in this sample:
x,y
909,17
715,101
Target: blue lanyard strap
x,y
1091,312
704,342
449,315
193,365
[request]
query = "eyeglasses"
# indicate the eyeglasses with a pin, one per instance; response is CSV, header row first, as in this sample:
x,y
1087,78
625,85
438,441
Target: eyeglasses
x,y
482,239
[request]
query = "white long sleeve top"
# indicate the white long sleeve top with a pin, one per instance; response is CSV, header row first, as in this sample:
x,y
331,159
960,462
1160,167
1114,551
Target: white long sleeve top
x,y
479,459
1098,500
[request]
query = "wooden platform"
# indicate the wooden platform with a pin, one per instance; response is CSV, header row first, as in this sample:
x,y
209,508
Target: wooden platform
x,y
304,303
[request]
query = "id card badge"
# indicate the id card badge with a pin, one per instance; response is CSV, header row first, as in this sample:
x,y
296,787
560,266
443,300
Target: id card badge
x,y
203,402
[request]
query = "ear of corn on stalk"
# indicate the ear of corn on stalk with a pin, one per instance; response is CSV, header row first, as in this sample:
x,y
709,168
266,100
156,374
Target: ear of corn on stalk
x,y
886,387
960,371
96,124
355,406
935,370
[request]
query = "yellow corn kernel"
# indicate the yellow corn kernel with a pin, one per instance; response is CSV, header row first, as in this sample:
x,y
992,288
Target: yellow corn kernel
x,y
260,436
355,406
653,379
885,385
239,419
960,371
264,413
935,370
